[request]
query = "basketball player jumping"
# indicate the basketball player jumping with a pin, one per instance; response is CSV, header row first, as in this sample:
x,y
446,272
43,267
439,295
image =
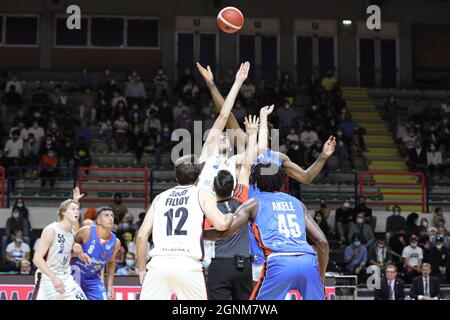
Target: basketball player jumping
x,y
175,219
100,245
281,224
53,253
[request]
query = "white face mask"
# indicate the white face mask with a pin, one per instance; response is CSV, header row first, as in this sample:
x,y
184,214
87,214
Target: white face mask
x,y
130,262
346,205
357,243
413,244
439,246
360,220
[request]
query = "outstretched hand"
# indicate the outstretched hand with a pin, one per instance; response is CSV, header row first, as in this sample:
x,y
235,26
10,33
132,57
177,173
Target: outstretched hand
x,y
266,111
242,73
206,73
251,124
76,194
329,146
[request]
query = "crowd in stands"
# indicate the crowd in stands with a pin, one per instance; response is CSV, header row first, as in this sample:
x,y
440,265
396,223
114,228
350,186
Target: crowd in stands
x,y
407,243
422,134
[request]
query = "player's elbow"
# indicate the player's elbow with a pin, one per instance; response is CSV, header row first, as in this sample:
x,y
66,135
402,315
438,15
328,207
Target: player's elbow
x,y
222,226
322,244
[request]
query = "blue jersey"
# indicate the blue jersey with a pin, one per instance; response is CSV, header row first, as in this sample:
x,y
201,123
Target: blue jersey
x,y
99,252
266,157
280,224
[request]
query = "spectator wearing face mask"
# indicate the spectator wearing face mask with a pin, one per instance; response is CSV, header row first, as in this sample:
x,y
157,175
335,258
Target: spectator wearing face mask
x,y
355,256
25,267
438,218
439,259
16,251
322,223
442,232
161,84
344,216
395,222
49,165
434,162
23,210
412,224
380,254
417,157
412,256
324,209
130,268
118,208
286,116
397,243
363,229
342,150
126,231
370,219
293,136
14,223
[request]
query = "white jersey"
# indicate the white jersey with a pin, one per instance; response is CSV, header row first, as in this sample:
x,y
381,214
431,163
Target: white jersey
x,y
59,253
213,165
178,224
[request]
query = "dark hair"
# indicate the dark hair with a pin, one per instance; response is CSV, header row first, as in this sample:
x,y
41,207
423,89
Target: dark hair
x,y
396,207
411,219
187,169
356,236
117,194
267,182
101,210
223,184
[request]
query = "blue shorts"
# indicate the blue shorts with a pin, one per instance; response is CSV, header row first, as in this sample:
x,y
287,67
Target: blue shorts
x,y
94,289
283,275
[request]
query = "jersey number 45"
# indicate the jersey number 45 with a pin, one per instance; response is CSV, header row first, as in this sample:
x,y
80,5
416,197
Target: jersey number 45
x,y
288,225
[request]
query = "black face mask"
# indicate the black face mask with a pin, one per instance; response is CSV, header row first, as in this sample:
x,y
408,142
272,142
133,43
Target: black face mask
x,y
118,201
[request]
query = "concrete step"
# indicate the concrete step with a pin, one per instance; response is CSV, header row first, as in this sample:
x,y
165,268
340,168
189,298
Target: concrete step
x,y
389,152
379,139
393,178
388,166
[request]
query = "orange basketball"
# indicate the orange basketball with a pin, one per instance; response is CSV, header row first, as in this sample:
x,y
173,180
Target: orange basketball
x,y
230,19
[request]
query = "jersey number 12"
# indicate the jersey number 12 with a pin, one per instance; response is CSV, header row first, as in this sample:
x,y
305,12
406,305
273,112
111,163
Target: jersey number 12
x,y
183,212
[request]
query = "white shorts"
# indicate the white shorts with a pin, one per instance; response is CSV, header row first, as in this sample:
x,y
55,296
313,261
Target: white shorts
x,y
173,277
256,271
44,289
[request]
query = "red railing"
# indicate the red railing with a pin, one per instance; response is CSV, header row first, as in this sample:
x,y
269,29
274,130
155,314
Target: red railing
x,y
3,189
420,183
145,179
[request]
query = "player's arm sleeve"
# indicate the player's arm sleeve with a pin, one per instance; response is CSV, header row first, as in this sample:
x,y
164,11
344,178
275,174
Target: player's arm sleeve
x,y
319,241
241,193
242,215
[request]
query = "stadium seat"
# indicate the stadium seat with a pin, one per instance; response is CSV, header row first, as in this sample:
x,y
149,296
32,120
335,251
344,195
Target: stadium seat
x,y
28,193
104,194
325,196
125,194
62,194
310,197
104,165
138,194
45,193
121,165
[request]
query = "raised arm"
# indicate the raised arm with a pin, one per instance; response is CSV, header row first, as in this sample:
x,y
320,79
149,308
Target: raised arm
x,y
242,216
319,241
306,176
219,100
208,203
251,127
263,139
142,238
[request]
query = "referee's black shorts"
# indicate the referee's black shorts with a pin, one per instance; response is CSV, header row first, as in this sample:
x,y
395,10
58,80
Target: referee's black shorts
x,y
225,281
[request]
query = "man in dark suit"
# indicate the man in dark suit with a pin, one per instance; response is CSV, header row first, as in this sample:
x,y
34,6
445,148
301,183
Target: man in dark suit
x,y
425,287
391,287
